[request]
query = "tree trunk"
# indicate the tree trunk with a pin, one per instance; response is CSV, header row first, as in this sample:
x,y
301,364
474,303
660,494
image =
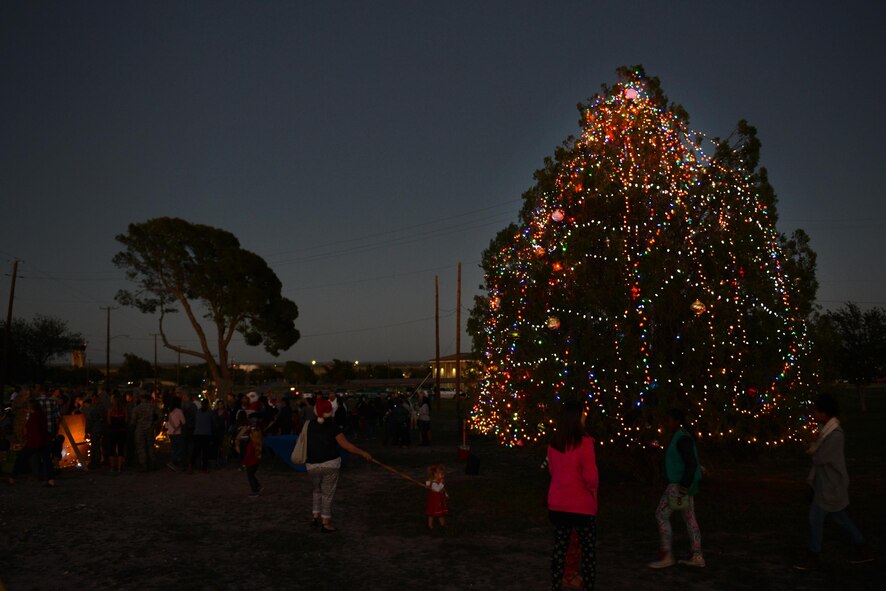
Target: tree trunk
x,y
217,373
224,386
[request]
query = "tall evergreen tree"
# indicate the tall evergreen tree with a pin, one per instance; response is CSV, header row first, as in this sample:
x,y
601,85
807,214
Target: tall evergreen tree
x,y
644,273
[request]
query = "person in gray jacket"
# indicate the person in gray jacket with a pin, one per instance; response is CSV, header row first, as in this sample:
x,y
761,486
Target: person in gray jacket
x,y
829,480
144,418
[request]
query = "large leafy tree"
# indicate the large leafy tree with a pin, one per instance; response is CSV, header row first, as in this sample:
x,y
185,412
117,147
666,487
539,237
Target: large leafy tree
x,y
222,289
646,272
861,346
34,343
298,373
340,371
800,264
134,368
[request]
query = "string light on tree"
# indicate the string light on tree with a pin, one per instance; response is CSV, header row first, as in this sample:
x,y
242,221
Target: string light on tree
x,y
596,305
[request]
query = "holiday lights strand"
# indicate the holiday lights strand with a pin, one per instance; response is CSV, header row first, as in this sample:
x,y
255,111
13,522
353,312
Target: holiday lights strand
x,y
638,190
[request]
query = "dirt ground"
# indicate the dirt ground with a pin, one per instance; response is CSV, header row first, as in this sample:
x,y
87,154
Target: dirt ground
x,y
162,530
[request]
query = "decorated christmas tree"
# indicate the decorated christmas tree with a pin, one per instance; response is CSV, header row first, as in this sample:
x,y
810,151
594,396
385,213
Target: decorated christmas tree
x,y
645,273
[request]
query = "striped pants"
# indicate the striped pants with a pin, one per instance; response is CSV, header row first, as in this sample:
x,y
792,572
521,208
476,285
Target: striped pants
x,y
325,482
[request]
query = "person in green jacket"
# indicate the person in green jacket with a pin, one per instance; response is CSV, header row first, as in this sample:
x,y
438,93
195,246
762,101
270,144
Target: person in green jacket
x,y
683,471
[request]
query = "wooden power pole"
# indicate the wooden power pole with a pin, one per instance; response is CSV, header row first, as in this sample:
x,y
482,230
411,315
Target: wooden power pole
x,y
458,357
108,347
437,339
458,337
7,331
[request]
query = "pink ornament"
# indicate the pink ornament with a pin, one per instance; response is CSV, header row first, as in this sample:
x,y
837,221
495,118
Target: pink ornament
x,y
631,94
558,215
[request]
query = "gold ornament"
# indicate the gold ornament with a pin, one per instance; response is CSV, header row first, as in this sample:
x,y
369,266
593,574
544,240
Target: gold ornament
x,y
698,307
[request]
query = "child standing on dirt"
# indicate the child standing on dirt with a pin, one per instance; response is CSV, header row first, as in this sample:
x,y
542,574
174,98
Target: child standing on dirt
x,y
683,471
438,505
251,459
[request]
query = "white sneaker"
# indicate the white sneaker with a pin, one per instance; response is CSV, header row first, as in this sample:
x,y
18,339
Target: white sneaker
x,y
697,560
665,559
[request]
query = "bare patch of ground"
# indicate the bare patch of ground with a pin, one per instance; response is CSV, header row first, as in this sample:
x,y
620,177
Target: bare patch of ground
x,y
162,530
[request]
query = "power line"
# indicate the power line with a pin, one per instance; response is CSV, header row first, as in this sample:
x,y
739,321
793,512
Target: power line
x,y
238,339
411,229
399,241
371,328
88,298
377,278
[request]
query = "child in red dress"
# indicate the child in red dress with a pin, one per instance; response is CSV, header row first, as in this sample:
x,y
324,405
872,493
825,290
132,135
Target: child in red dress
x,y
438,505
251,459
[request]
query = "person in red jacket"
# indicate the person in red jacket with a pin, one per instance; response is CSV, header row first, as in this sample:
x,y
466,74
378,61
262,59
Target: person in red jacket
x,y
572,495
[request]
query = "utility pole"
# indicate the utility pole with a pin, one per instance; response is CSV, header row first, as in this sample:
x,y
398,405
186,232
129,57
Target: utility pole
x,y
437,330
7,332
108,348
461,426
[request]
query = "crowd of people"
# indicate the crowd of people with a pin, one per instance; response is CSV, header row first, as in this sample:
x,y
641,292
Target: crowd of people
x,y
124,428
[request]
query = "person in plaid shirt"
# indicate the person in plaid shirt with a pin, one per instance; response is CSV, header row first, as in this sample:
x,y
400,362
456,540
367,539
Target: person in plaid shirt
x,y
50,408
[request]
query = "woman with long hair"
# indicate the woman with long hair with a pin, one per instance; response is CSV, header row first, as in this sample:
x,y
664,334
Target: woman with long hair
x,y
572,495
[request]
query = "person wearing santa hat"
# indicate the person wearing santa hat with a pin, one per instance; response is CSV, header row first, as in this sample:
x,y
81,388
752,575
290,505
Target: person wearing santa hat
x,y
324,461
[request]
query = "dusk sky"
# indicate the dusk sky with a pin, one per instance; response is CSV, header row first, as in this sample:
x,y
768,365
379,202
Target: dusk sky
x,y
361,148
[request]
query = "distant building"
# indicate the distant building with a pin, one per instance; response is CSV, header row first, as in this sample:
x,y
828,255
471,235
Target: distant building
x,y
470,369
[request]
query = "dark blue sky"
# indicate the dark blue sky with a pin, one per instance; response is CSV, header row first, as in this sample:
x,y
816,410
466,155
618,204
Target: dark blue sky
x,y
363,147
